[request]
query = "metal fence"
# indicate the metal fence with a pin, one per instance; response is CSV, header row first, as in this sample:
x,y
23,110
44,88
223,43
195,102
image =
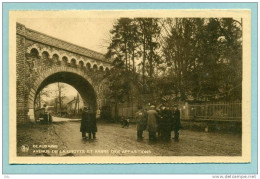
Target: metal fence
x,y
214,111
127,111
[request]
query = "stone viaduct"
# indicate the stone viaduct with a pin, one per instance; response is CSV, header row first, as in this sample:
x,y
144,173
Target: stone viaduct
x,y
42,60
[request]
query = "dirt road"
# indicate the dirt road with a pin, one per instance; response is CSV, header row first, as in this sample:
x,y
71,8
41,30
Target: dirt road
x,y
112,140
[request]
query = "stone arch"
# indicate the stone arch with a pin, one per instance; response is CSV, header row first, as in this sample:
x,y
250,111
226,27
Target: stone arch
x,y
34,52
101,68
55,52
81,64
45,50
95,67
88,65
74,77
107,69
34,46
73,62
45,54
64,60
55,57
71,57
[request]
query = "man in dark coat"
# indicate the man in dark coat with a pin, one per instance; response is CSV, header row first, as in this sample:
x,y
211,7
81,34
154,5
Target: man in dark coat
x,y
88,123
176,122
84,119
166,118
141,121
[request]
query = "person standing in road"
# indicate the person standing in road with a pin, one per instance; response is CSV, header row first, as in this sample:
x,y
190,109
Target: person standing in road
x,y
84,119
140,117
152,123
165,123
91,124
176,123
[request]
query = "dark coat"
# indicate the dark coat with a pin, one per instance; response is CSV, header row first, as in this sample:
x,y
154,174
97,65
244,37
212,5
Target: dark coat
x,y
88,122
152,123
141,120
166,120
176,120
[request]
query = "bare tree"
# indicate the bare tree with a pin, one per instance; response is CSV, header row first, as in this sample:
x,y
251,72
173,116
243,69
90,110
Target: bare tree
x,y
60,95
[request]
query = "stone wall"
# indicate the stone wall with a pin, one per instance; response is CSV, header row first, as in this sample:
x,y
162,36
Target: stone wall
x,y
21,104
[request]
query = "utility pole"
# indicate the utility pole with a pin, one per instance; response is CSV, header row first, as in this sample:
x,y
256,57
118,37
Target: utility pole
x,y
59,90
78,101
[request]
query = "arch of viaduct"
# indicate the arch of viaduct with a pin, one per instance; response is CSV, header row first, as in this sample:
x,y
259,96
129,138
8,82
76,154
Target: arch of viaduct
x,y
42,60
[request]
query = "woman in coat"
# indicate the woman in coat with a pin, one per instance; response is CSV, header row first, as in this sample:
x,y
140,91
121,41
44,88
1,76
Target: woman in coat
x,y
152,122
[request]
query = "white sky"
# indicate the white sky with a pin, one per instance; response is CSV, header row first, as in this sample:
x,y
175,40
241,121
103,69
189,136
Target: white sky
x,y
90,33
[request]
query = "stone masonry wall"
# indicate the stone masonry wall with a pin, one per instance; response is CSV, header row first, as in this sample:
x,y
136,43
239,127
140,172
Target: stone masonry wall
x,y
21,105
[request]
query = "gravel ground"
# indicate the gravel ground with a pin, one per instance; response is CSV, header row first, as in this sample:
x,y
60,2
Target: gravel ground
x,y
64,138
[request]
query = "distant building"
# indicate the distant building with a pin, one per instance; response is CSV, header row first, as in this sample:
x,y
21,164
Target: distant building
x,y
75,106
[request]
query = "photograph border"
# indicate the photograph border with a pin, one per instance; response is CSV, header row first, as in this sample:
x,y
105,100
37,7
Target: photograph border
x,y
131,168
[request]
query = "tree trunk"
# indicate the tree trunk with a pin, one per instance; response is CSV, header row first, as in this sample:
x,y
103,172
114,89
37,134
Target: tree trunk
x,y
116,110
133,59
144,56
59,88
126,66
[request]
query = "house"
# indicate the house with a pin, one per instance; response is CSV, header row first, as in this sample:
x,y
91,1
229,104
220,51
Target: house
x,y
75,106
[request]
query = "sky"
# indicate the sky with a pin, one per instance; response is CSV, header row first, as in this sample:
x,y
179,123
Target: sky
x,y
91,33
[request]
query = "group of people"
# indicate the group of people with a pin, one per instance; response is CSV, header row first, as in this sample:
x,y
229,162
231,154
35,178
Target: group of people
x,y
162,121
88,123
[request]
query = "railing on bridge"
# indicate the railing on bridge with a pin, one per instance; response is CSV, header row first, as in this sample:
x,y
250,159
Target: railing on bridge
x,y
215,111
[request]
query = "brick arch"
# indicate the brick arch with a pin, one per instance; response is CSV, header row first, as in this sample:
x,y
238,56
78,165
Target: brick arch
x,y
73,60
88,65
37,85
95,66
46,52
70,58
55,52
80,59
65,57
44,49
106,69
101,68
32,47
81,64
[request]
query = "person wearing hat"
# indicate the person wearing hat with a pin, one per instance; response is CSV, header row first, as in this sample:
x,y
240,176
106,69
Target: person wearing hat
x,y
84,121
152,123
91,124
176,123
